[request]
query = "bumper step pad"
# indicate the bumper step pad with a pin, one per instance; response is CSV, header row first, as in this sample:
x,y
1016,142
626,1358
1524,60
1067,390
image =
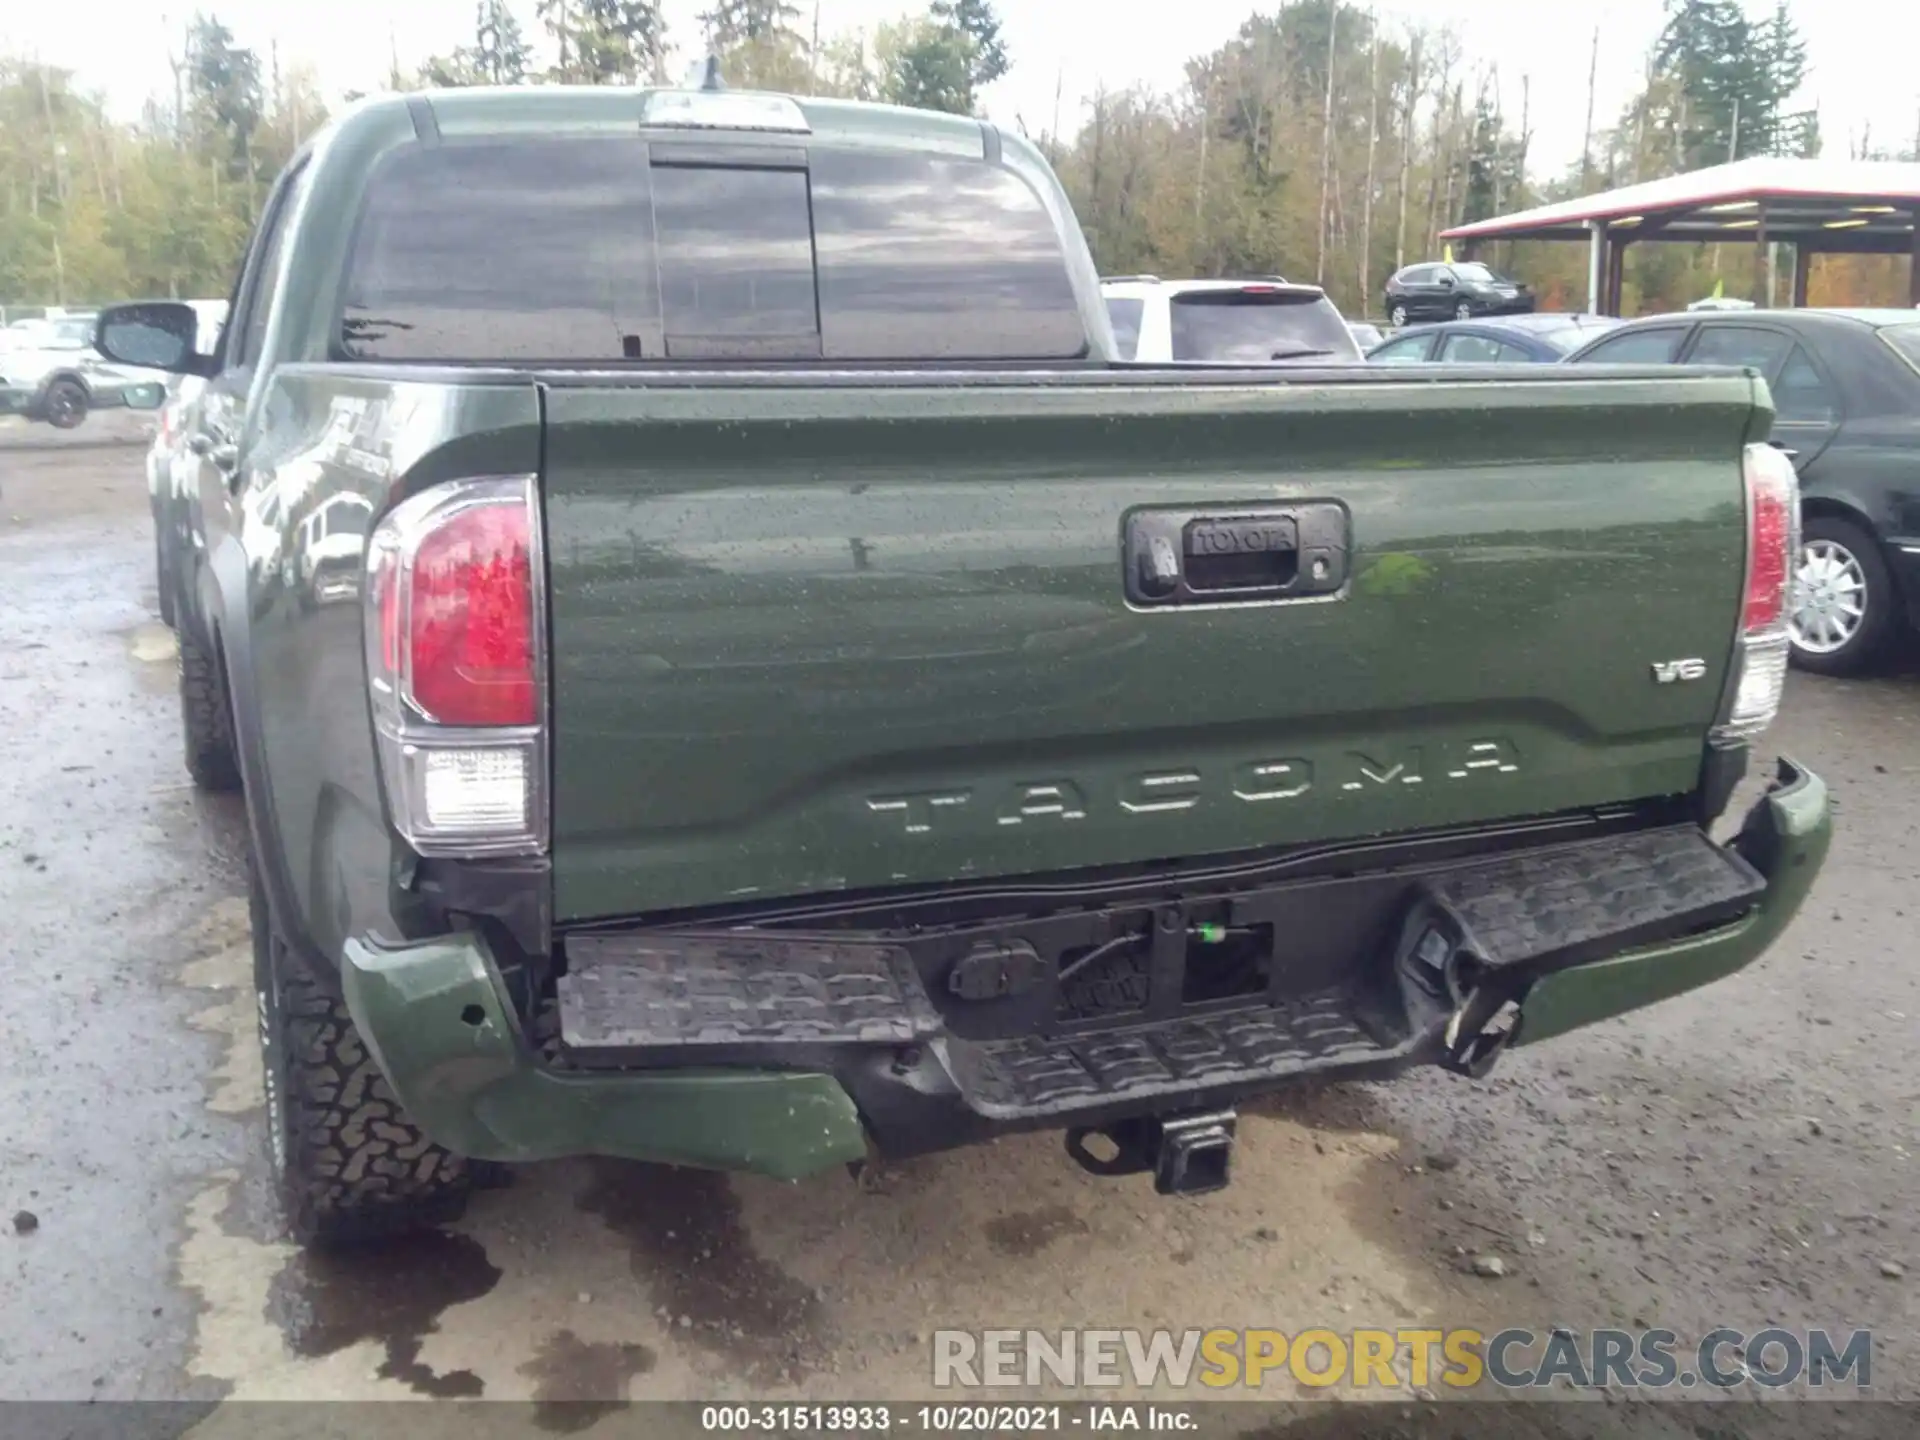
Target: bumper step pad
x,y
767,998
1034,1078
681,991
1576,902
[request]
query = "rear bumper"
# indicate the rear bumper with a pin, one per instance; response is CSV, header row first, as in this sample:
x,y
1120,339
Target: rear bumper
x,y
437,1019
1786,837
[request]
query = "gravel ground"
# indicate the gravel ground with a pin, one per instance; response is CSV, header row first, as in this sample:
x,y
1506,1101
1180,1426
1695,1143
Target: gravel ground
x,y
1743,1156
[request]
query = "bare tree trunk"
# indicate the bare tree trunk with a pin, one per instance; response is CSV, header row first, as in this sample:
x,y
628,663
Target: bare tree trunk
x,y
1200,181
1522,194
1336,216
1326,146
53,138
1406,149
1640,126
1526,130
1586,137
1093,170
1499,139
1366,195
1437,154
95,144
1053,134
179,68
1447,215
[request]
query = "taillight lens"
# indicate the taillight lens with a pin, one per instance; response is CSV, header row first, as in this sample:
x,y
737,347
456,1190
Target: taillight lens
x,y
1772,504
455,661
470,618
1773,543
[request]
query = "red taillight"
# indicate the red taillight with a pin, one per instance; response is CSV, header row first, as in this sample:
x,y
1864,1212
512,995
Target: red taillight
x,y
455,655
1761,646
1771,504
470,619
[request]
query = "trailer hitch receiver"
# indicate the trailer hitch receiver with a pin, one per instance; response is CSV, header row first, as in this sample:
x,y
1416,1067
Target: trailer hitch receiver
x,y
1188,1154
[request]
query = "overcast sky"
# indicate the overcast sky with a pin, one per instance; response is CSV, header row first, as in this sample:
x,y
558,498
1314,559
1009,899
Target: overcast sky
x,y
1861,51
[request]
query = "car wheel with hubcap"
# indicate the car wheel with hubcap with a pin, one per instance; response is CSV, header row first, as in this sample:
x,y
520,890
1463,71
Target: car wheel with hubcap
x,y
1840,614
1397,317
350,1167
1463,311
65,404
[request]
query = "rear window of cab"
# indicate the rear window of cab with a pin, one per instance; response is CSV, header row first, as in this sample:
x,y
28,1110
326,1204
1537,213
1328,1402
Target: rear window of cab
x,y
607,248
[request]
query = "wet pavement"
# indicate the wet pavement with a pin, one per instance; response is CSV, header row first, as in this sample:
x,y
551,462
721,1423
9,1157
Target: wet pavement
x,y
1742,1156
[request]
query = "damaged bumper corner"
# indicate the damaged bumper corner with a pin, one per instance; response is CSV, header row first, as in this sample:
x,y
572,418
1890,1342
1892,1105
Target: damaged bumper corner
x,y
1785,837
437,1021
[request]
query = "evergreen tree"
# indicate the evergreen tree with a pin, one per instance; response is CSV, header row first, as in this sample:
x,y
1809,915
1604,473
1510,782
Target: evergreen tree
x,y
929,66
500,51
976,20
1732,83
1780,71
224,99
738,22
620,41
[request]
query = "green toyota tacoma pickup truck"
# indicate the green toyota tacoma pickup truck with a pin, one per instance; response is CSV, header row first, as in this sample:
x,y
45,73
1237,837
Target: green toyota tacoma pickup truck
x,y
724,668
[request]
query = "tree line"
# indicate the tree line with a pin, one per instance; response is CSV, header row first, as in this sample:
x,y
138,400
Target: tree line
x,y
1320,141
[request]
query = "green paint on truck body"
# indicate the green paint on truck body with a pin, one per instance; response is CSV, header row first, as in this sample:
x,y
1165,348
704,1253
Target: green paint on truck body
x,y
436,1018
811,638
1787,838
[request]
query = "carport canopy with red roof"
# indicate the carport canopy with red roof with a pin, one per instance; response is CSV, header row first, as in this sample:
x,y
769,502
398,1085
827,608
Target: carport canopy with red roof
x,y
1819,207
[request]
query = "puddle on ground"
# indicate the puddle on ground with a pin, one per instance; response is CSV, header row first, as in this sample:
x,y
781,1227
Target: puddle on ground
x,y
226,969
153,643
1025,1233
688,1246
577,1382
392,1295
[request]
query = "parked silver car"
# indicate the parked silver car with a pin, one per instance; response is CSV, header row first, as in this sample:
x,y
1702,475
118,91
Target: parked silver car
x,y
50,371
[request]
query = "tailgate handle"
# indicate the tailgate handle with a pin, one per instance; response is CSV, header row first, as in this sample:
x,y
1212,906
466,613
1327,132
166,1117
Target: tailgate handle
x,y
1262,553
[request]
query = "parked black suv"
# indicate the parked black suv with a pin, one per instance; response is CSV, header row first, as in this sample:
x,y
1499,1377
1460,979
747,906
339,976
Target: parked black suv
x,y
1453,292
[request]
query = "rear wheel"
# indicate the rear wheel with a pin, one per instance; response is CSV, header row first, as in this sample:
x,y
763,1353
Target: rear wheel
x,y
350,1167
1397,316
1842,610
206,721
65,404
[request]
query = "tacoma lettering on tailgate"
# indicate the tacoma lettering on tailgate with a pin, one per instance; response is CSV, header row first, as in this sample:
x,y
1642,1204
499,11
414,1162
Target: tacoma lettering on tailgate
x,y
1160,792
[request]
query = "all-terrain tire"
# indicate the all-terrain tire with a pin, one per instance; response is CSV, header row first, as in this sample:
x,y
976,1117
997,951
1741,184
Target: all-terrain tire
x,y
206,720
351,1168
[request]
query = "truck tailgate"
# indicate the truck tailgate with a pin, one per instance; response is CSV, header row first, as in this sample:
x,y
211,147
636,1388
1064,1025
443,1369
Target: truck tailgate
x,y
855,632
